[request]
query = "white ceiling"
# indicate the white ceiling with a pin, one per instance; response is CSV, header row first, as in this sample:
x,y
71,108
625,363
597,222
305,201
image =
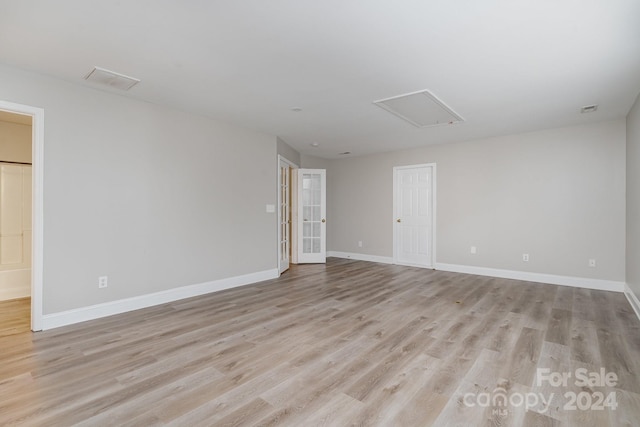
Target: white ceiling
x,y
506,66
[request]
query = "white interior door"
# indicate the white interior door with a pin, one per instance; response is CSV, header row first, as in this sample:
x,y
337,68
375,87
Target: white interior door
x,y
414,222
284,214
310,216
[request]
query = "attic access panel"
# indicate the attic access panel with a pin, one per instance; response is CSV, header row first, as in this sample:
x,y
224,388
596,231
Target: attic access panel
x,y
110,78
421,109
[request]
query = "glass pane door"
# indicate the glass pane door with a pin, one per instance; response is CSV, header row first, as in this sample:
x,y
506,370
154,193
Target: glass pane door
x,y
312,222
311,234
284,213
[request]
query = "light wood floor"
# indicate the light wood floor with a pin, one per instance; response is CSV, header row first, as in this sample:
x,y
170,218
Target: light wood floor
x,y
15,316
349,343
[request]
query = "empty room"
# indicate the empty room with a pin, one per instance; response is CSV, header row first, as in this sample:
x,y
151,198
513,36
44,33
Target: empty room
x,y
305,213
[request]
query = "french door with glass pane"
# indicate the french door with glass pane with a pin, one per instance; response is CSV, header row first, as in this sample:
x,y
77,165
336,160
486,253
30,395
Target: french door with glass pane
x,y
284,214
309,217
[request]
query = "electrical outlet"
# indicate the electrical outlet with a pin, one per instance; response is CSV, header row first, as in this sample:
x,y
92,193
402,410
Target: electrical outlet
x,y
525,257
359,243
474,250
592,262
103,282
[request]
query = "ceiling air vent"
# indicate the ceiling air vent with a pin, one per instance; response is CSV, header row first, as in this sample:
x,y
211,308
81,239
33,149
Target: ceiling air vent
x,y
421,109
588,108
112,79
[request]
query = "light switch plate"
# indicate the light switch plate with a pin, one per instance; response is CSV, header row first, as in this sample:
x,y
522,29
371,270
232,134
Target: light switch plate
x,y
271,208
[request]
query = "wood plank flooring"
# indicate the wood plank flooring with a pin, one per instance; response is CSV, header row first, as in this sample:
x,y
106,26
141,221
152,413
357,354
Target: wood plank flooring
x,y
349,343
15,316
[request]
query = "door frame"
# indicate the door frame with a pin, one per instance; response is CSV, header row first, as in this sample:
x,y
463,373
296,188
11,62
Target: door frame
x,y
433,212
293,166
37,216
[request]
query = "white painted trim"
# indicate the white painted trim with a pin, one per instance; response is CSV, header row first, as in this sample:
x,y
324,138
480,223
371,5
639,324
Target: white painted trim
x,y
432,261
633,299
552,279
289,162
361,257
434,214
97,311
577,282
37,248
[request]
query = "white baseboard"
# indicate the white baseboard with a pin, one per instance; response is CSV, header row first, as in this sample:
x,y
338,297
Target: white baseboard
x,y
97,311
633,299
576,282
361,257
15,284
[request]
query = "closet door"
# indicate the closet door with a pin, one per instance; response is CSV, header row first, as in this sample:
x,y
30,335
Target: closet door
x,y
310,219
414,215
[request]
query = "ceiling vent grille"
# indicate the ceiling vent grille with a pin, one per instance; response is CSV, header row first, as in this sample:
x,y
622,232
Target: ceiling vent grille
x,y
112,79
421,109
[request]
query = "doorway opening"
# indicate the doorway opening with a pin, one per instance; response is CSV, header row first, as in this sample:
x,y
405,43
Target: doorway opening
x,y
21,219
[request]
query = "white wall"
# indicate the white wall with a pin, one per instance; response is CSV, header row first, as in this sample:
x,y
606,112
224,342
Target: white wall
x,y
286,151
152,197
633,199
313,162
558,195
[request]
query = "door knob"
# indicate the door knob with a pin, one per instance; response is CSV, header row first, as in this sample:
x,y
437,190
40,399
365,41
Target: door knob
x,y
398,220
323,220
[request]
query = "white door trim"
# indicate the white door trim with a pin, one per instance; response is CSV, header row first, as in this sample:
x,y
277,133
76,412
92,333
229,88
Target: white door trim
x,y
432,262
279,216
37,249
